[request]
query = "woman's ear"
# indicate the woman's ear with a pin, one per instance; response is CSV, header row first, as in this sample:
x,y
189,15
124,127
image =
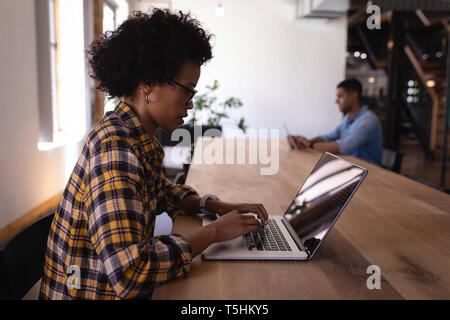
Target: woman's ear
x,y
144,88
146,91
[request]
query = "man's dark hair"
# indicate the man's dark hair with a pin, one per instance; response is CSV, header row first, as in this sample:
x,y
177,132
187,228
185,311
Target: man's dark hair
x,y
351,85
147,48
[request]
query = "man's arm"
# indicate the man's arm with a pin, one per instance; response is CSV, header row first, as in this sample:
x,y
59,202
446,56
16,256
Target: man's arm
x,y
319,144
327,142
302,142
332,135
317,139
327,146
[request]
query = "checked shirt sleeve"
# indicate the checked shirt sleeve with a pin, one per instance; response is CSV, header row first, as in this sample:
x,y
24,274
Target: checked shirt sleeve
x,y
174,193
133,263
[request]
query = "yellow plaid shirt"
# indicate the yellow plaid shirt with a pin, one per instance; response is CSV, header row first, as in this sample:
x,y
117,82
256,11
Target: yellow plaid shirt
x,y
103,225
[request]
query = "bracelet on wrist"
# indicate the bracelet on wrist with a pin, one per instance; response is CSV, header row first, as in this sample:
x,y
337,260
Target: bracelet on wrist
x,y
203,210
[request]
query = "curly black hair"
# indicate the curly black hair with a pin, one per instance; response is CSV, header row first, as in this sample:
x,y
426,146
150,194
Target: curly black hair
x,y
147,48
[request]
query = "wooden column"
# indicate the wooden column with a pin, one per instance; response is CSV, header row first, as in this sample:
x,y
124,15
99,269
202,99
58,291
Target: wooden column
x,y
99,101
395,47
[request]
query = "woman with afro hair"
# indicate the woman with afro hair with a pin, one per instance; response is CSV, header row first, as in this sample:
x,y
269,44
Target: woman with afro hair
x,y
101,243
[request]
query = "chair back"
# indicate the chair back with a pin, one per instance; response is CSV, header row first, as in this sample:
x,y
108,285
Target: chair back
x,y
392,160
22,259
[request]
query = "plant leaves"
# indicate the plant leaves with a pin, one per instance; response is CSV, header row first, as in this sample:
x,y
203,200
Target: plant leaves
x,y
242,125
204,103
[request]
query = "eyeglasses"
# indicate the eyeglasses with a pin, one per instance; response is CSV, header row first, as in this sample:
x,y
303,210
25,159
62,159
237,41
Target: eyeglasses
x,y
187,90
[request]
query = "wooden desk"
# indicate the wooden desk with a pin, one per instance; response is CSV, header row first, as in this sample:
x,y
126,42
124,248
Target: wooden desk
x,y
393,222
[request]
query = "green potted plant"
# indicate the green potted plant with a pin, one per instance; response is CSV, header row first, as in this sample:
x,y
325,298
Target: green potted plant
x,y
206,103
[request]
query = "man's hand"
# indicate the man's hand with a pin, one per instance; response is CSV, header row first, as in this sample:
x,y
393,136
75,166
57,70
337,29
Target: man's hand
x,y
302,142
221,208
291,142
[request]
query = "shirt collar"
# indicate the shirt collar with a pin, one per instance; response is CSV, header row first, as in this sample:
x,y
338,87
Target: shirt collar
x,y
149,143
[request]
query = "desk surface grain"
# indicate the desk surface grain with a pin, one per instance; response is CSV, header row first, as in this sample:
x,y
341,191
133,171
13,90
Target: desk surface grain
x,y
393,222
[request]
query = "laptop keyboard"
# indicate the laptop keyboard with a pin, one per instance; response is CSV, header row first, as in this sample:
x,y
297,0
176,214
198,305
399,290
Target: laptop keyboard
x,y
273,239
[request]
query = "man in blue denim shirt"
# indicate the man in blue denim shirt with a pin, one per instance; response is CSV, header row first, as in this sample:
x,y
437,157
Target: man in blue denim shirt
x,y
359,134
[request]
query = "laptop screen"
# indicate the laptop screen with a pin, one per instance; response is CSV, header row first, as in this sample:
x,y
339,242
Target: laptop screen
x,y
322,198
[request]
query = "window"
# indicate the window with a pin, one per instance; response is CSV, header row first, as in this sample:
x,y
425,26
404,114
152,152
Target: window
x,y
60,28
114,13
109,15
145,5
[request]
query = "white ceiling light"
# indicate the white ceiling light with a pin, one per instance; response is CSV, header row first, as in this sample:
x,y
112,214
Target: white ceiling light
x,y
220,11
431,83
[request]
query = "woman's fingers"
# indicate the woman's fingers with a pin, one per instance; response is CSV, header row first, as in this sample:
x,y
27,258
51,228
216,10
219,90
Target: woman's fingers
x,y
262,213
234,224
257,208
256,228
252,224
244,208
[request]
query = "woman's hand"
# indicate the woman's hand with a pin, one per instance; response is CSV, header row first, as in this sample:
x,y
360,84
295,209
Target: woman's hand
x,y
221,208
229,226
234,224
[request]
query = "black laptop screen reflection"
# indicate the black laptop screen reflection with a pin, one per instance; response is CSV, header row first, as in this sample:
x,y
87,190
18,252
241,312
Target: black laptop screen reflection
x,y
321,199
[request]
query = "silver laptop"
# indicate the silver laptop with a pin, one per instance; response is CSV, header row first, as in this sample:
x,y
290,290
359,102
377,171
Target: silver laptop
x,y
298,234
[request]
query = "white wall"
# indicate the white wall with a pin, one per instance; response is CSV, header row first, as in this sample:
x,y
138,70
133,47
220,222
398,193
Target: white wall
x,y
284,70
28,176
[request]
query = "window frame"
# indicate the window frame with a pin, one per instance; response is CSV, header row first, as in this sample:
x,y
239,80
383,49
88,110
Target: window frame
x,y
48,65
